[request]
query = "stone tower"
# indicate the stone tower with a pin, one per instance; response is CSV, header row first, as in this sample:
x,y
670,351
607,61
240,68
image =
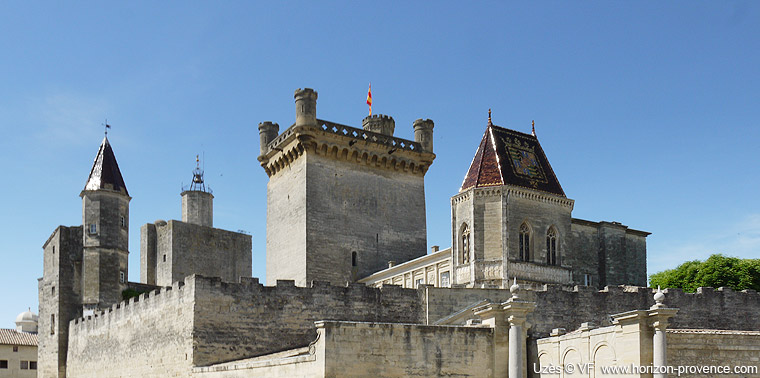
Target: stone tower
x,y
84,267
105,221
342,201
173,250
511,219
197,200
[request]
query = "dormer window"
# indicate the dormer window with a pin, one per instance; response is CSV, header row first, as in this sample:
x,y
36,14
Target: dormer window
x,y
93,229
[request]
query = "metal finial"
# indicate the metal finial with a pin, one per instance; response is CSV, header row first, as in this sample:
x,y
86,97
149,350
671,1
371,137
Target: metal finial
x,y
107,126
489,118
197,161
533,127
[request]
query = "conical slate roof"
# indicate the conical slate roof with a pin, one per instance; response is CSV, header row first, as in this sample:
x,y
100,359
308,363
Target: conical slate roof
x,y
509,157
105,173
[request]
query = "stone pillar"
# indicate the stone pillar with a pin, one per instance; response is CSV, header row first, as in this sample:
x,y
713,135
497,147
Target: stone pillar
x,y
658,319
493,315
517,312
423,134
267,132
306,107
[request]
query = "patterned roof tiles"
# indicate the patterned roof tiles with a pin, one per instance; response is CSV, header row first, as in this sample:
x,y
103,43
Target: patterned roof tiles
x,y
508,157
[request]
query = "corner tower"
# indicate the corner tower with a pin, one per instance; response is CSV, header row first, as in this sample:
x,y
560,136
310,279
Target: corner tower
x,y
105,221
342,201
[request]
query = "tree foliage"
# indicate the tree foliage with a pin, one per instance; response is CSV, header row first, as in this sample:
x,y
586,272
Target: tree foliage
x,y
718,270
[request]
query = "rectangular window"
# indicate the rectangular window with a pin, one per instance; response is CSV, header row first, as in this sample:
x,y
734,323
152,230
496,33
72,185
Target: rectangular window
x,y
24,365
52,291
33,365
93,229
15,348
587,279
445,281
54,250
164,258
418,283
121,276
52,324
3,364
123,222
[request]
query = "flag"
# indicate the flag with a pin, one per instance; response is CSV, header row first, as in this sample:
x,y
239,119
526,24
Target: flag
x,y
369,98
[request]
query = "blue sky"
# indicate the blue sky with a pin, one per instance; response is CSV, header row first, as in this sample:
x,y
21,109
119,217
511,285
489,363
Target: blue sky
x,y
648,111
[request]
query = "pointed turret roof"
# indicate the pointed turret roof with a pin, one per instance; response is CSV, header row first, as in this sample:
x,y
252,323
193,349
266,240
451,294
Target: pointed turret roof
x,y
509,157
105,173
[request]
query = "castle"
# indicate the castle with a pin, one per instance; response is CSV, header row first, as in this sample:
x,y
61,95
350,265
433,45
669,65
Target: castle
x,y
350,289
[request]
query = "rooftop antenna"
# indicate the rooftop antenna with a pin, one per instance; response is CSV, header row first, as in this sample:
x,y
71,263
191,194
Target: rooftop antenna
x,y
489,117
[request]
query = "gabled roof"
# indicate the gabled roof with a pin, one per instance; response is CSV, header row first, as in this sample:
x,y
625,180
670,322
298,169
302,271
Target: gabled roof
x,y
508,157
13,337
105,173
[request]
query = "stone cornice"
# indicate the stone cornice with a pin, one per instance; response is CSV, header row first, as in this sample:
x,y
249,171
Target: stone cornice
x,y
509,190
345,143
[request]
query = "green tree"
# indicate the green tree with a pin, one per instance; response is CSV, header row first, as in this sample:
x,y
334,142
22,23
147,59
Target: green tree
x,y
718,270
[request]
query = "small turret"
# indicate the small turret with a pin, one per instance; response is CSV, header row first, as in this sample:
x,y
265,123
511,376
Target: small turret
x,y
306,107
423,133
267,132
379,123
197,200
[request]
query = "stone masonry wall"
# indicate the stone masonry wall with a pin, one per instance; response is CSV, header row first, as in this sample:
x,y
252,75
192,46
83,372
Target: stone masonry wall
x,y
373,211
560,308
406,350
59,297
148,336
714,348
178,249
234,321
286,224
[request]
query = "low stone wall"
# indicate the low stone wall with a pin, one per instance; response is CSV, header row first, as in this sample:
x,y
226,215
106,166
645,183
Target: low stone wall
x,y
406,350
354,349
147,336
709,347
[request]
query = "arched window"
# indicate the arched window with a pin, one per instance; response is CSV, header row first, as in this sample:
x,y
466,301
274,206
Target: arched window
x,y
551,246
524,242
464,257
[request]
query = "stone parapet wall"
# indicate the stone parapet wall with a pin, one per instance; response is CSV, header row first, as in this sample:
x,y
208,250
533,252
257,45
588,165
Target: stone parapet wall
x,y
561,307
234,321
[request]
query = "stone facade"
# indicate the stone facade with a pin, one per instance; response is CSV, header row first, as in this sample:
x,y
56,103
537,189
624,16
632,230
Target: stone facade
x,y
432,269
170,251
60,297
335,194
